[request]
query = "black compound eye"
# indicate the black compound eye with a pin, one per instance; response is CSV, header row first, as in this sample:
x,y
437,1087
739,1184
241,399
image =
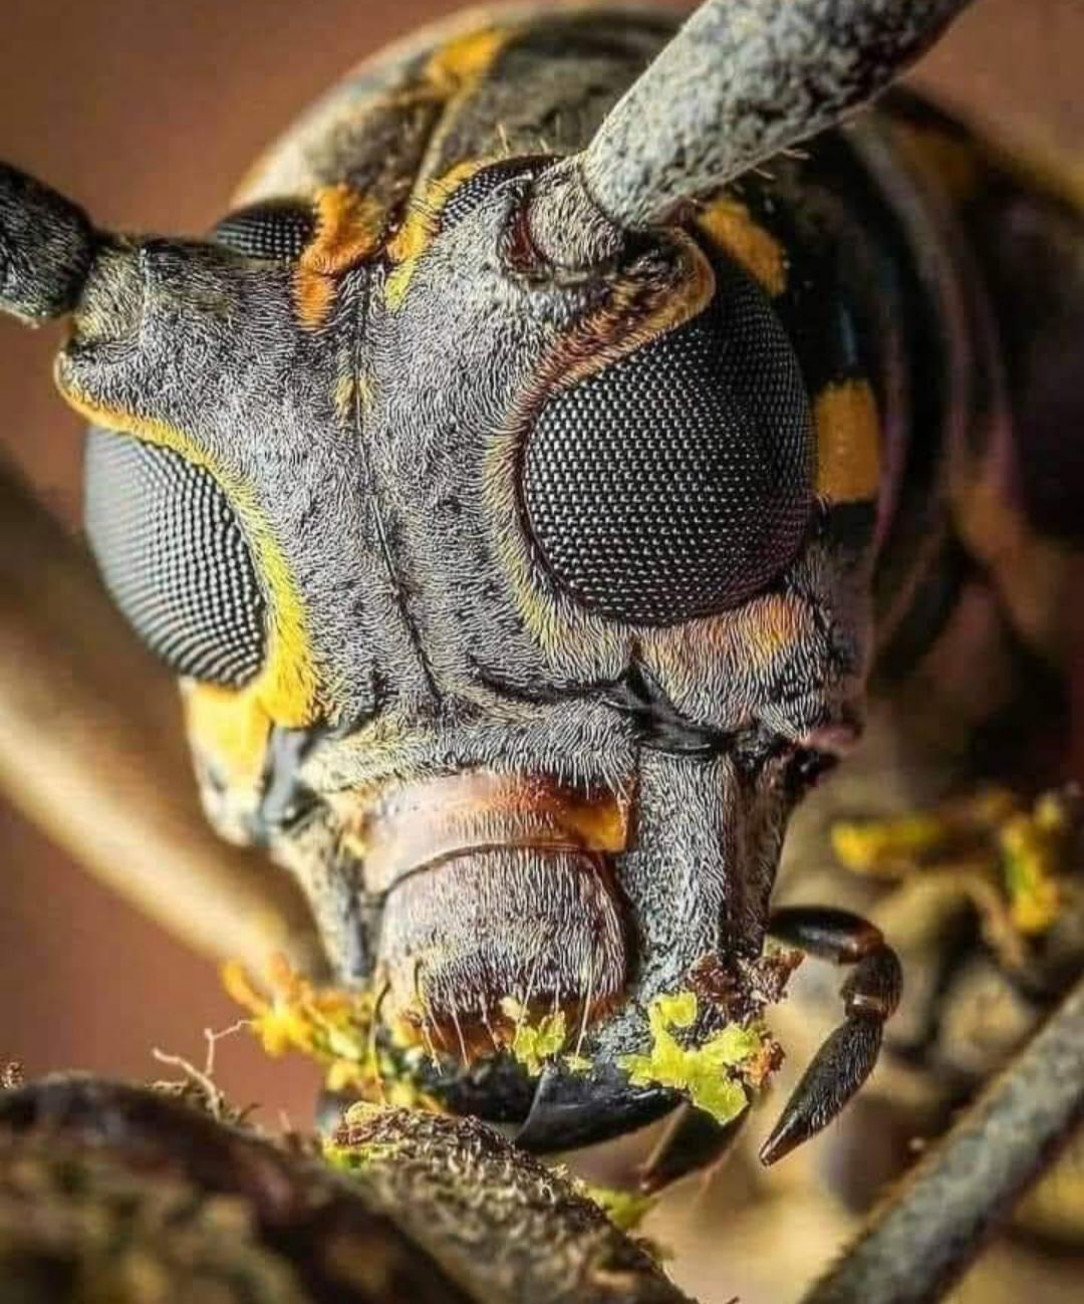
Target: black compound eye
x,y
466,197
276,231
174,559
677,482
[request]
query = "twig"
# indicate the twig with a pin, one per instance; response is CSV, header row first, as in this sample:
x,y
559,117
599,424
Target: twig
x,y
211,1094
91,749
926,1234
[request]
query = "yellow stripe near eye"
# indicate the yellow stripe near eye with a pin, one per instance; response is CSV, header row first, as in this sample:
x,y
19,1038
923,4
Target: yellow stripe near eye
x,y
423,221
452,73
235,722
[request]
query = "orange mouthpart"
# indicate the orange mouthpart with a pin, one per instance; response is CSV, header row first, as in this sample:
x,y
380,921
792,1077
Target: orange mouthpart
x,y
419,824
498,887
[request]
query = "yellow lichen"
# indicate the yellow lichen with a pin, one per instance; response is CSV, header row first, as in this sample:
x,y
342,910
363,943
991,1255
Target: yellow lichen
x,y
577,1063
1015,858
625,1209
1033,853
715,1074
356,1154
333,1027
534,1043
879,846
356,1158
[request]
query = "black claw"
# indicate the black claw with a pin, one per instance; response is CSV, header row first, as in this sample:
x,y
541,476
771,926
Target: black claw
x,y
573,1109
841,1066
693,1142
870,995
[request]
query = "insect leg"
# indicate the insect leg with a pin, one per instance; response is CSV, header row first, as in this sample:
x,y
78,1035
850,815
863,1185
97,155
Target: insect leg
x,y
693,1142
870,995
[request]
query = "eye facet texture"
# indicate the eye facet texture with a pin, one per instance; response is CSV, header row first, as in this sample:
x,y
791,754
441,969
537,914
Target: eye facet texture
x,y
677,482
469,194
174,559
276,231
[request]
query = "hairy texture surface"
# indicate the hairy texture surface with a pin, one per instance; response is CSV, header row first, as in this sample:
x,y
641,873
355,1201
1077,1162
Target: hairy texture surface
x,y
123,1193
46,245
365,398
428,1171
743,80
541,927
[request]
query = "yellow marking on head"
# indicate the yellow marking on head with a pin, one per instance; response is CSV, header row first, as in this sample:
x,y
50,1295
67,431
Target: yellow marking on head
x,y
771,626
345,397
233,723
348,229
452,73
418,231
229,729
755,638
730,226
465,59
848,442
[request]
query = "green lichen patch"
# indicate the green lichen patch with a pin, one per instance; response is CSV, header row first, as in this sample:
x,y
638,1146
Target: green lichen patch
x,y
715,1074
538,1041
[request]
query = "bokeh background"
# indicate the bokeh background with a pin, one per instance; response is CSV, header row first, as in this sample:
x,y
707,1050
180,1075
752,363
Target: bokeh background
x,y
147,112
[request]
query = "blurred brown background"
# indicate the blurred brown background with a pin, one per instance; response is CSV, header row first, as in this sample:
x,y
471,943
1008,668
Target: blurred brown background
x,y
147,112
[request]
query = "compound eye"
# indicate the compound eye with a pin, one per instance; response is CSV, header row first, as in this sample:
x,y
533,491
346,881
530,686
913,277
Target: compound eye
x,y
174,559
677,482
275,231
477,188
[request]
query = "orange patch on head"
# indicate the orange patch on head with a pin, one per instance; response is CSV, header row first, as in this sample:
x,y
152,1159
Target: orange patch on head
x,y
752,638
773,624
633,315
848,428
729,225
406,826
452,73
348,230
